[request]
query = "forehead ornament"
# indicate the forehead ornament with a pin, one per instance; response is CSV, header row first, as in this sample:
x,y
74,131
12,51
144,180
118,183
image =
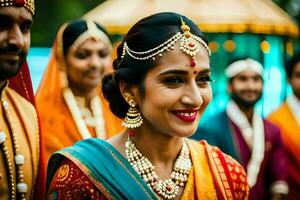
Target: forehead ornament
x,y
92,32
190,45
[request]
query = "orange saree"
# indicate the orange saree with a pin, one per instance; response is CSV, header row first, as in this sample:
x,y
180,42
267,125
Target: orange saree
x,y
290,133
58,126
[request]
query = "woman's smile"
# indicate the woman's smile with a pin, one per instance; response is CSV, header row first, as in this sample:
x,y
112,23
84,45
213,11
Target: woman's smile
x,y
186,115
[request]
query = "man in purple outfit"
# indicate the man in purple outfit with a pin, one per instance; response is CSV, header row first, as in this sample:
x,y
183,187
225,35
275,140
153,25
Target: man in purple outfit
x,y
242,133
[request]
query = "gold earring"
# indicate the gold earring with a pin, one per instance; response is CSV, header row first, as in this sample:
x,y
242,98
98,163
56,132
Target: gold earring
x,y
133,118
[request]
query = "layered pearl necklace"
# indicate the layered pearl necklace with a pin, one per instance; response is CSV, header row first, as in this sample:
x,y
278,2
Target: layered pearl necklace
x,y
169,188
19,159
77,115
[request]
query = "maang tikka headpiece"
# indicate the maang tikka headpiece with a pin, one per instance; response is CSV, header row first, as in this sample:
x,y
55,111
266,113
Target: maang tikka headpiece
x,y
189,45
92,32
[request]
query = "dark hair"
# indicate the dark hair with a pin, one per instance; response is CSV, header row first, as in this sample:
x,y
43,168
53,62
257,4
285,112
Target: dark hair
x,y
73,30
290,65
144,35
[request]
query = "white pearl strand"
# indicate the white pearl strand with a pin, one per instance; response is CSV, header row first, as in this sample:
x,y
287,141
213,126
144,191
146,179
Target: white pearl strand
x,y
77,115
19,159
169,188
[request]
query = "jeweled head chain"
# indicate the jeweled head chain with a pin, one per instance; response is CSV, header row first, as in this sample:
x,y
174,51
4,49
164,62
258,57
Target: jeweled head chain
x,y
92,32
28,4
189,45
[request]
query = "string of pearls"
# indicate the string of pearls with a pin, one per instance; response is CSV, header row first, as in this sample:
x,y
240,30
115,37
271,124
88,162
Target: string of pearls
x,y
97,111
19,159
168,188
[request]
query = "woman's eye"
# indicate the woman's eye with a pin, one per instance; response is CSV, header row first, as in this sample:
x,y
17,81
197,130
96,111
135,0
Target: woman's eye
x,y
204,79
173,80
81,55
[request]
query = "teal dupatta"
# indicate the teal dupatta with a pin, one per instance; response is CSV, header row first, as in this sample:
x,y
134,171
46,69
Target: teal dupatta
x,y
108,170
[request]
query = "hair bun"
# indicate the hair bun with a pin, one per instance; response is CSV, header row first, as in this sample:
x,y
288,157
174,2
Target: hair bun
x,y
113,95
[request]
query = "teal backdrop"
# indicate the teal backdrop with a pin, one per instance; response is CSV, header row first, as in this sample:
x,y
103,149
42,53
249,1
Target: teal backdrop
x,y
271,50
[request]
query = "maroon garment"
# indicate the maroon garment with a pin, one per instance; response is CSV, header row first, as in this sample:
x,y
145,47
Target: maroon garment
x,y
69,182
274,166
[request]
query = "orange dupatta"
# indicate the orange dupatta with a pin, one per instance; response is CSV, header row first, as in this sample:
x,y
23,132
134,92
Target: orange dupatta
x,y
214,175
58,126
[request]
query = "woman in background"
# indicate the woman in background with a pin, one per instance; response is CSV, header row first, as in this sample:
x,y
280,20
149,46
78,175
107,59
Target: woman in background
x,y
69,99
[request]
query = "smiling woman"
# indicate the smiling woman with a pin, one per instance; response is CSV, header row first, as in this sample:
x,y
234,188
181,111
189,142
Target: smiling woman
x,y
160,87
69,98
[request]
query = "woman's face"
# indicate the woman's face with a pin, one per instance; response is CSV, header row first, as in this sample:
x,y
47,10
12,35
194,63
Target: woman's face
x,y
86,65
176,94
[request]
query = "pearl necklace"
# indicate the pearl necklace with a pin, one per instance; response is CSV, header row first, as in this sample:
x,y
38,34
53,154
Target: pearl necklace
x,y
19,159
77,115
169,188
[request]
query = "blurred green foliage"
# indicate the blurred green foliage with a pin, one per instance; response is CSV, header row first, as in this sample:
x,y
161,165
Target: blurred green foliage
x,y
51,14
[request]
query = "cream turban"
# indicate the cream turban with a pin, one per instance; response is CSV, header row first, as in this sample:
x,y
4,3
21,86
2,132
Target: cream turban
x,y
242,65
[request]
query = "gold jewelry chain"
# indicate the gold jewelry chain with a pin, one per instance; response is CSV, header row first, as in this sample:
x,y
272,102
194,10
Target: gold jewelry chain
x,y
169,188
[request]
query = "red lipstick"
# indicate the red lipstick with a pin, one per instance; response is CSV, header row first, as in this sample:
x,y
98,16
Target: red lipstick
x,y
186,115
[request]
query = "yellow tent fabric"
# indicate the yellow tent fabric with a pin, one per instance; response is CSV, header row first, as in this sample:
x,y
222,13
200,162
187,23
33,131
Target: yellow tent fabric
x,y
213,16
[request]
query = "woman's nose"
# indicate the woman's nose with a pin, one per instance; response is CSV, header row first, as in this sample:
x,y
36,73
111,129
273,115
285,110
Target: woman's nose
x,y
192,96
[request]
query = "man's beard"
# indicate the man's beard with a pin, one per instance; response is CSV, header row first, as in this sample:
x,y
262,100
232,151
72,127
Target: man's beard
x,y
245,103
9,68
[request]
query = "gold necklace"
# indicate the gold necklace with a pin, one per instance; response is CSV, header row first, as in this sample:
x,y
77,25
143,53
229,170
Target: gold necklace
x,y
21,187
168,188
77,115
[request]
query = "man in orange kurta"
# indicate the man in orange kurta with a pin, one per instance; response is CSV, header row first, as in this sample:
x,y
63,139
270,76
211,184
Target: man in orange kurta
x,y
21,174
287,118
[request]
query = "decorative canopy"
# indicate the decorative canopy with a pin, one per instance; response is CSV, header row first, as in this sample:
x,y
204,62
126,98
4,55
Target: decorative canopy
x,y
212,16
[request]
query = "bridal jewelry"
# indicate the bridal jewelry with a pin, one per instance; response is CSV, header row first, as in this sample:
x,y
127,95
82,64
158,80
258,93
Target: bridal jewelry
x,y
19,159
169,188
189,44
133,118
78,117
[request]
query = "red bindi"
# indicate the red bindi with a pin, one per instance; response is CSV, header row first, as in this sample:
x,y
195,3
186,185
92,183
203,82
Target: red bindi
x,y
193,63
